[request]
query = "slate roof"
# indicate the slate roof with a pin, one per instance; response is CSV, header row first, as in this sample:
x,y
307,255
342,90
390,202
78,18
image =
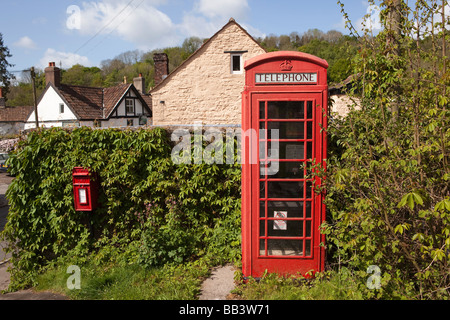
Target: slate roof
x,y
15,114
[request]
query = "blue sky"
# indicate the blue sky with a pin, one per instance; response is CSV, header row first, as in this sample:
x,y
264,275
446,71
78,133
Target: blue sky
x,y
87,32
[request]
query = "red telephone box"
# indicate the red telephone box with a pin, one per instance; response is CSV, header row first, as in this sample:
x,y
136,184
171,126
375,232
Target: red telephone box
x,y
284,118
85,189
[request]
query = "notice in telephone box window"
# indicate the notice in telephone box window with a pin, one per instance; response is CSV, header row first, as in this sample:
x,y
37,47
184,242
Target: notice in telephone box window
x,y
280,224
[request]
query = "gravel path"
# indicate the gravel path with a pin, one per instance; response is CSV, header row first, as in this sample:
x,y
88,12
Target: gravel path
x,y
219,284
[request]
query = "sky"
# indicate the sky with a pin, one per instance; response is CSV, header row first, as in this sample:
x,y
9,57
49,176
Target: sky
x,y
87,32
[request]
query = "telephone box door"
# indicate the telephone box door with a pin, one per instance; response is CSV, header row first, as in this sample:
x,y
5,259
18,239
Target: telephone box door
x,y
281,211
285,223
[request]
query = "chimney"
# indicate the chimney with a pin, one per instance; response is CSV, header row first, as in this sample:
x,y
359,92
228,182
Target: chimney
x,y
53,75
139,84
2,99
161,67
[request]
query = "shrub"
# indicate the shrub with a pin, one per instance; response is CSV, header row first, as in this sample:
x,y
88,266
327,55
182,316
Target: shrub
x,y
388,196
162,211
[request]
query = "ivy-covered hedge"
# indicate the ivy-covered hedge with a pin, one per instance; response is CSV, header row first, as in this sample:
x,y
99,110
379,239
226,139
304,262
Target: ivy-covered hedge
x,y
167,212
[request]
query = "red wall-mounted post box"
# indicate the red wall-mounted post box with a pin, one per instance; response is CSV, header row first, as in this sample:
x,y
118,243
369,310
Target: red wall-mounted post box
x,y
285,115
85,189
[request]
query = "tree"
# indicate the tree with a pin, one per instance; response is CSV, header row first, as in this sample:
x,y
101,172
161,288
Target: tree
x,y
5,75
190,45
388,187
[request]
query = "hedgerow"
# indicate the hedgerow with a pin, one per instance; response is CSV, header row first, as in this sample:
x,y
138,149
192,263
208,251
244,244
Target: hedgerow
x,y
151,210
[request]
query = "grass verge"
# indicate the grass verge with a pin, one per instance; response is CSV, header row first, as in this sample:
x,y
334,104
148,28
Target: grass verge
x,y
127,282
183,282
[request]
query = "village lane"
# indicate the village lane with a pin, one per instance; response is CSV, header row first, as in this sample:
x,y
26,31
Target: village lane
x,y
5,180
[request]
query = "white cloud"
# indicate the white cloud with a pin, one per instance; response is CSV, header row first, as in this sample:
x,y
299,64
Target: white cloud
x,y
66,59
141,23
372,19
26,43
208,16
237,9
138,22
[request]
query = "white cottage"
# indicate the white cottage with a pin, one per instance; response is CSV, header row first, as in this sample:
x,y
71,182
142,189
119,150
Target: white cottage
x,y
61,105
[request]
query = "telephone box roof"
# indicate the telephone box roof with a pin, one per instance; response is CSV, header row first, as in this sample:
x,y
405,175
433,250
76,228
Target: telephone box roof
x,y
289,55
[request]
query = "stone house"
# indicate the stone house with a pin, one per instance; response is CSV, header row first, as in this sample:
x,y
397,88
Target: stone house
x,y
341,103
61,105
207,86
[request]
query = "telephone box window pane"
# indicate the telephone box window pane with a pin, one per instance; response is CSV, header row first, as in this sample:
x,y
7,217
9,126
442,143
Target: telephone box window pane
x,y
277,247
285,190
285,170
285,228
286,110
308,248
262,249
262,190
262,228
291,150
308,189
294,209
262,209
262,110
309,150
310,109
271,170
262,149
309,134
287,130
262,126
308,228
308,209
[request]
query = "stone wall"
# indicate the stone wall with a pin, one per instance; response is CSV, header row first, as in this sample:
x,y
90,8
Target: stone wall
x,y
342,103
203,89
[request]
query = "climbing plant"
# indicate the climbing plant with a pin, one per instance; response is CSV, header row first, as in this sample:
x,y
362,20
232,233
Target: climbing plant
x,y
150,208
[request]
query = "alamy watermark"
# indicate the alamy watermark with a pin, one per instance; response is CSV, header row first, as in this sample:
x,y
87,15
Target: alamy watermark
x,y
74,280
214,146
374,281
74,17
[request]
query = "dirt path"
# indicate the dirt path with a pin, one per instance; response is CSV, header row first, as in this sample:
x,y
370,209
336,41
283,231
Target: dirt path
x,y
219,285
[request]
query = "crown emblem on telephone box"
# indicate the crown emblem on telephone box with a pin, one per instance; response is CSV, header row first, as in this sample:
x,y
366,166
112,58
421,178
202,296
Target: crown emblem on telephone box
x,y
286,65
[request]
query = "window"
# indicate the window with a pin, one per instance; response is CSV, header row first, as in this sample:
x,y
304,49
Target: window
x,y
236,63
130,123
129,106
61,108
